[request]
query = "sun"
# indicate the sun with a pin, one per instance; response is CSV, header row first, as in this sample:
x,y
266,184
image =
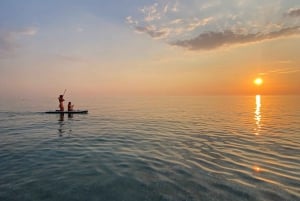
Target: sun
x,y
258,81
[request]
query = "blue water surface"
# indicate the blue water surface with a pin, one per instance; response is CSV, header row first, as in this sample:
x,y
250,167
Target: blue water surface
x,y
153,148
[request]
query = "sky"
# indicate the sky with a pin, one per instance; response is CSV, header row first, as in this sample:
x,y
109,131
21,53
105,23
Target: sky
x,y
149,47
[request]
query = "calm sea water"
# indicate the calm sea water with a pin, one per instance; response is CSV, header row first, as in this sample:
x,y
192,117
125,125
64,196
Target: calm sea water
x,y
152,148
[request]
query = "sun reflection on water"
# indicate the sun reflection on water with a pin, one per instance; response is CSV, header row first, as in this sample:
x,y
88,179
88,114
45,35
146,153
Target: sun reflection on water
x,y
256,169
257,114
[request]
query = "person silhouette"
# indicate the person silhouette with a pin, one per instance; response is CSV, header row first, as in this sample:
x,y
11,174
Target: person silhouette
x,y
61,102
70,106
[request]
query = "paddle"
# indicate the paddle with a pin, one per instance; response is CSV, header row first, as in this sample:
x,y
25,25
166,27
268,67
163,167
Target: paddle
x,y
64,92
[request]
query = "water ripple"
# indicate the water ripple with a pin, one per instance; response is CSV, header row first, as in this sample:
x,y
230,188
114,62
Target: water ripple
x,y
167,149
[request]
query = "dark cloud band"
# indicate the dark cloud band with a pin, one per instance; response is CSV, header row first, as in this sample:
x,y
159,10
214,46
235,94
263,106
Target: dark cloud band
x,y
294,13
213,40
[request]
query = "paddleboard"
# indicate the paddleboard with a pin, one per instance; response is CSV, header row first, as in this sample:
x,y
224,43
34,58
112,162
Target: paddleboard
x,y
67,112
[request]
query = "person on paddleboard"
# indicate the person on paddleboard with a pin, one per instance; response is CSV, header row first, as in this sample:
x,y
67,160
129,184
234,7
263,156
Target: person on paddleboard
x,y
61,102
70,106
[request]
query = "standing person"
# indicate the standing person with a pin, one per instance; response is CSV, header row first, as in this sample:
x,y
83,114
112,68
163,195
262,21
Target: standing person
x,y
70,106
61,102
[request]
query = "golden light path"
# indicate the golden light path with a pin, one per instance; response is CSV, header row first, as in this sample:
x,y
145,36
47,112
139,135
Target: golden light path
x,y
257,117
257,114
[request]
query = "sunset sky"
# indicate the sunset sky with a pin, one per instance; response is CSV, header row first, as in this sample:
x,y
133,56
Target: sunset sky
x,y
147,47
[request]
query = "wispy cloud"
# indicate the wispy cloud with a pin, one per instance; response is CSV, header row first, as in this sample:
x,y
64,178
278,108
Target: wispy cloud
x,y
9,40
195,23
210,4
205,25
158,21
287,70
176,21
151,12
131,21
153,31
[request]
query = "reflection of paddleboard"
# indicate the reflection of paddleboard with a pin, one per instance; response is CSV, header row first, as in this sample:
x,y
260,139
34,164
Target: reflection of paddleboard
x,y
68,112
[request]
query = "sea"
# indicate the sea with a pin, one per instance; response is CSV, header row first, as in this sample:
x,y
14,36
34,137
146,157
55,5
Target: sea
x,y
157,148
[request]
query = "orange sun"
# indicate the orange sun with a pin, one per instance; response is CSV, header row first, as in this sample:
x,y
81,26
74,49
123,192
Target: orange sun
x,y
258,81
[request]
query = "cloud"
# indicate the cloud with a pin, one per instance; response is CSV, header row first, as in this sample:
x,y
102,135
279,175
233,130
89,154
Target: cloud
x,y
166,8
153,31
10,40
130,20
151,12
175,7
174,27
212,40
198,22
294,12
288,70
285,70
210,4
176,21
205,25
285,62
156,22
